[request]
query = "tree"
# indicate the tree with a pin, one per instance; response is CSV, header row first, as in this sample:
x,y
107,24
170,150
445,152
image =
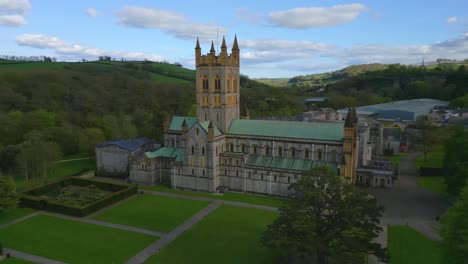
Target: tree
x,y
326,221
425,137
454,232
8,198
455,162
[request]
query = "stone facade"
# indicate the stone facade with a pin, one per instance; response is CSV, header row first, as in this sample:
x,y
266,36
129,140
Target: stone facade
x,y
219,151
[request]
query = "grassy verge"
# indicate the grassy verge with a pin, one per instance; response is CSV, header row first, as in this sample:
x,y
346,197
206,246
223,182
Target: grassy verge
x,y
152,212
229,196
15,261
228,235
59,170
73,242
407,246
396,158
436,184
13,214
435,158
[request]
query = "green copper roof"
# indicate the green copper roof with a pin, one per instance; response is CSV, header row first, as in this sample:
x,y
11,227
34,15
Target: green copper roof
x,y
205,124
285,163
176,122
330,131
176,153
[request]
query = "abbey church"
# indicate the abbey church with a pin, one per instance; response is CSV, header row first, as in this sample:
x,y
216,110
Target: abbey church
x,y
222,149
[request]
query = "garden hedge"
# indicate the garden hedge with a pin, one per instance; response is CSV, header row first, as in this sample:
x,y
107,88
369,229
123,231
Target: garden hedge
x,y
34,197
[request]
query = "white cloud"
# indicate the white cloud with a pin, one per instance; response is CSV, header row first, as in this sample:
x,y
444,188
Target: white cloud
x,y
91,12
172,23
77,50
12,12
310,17
452,19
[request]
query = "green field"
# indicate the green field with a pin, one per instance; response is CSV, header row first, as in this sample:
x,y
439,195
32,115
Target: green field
x,y
407,246
228,235
73,242
59,170
435,184
12,214
228,196
435,158
152,212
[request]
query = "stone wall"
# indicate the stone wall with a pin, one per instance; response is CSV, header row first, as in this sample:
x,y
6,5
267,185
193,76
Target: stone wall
x,y
112,159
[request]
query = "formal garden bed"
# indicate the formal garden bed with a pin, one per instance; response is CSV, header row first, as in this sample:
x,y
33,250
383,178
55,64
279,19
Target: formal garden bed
x,y
75,196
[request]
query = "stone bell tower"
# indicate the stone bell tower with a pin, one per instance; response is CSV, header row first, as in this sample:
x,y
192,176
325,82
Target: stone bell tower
x,y
217,84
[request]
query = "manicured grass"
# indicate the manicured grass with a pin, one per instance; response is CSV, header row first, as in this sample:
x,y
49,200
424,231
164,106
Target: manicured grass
x,y
15,261
12,214
59,170
436,184
228,196
435,158
407,246
396,158
73,242
228,235
152,212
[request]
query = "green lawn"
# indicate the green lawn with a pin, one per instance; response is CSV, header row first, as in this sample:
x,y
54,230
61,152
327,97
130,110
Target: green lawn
x,y
228,196
435,158
396,158
228,235
59,170
73,242
152,212
407,246
12,214
435,184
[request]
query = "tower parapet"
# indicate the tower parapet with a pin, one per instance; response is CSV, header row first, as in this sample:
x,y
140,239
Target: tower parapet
x,y
222,59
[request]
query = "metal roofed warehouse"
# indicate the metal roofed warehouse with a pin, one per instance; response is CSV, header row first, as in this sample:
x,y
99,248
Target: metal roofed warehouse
x,y
405,110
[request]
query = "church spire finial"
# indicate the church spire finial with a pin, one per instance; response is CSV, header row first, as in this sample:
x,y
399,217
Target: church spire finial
x,y
212,50
197,47
235,46
223,45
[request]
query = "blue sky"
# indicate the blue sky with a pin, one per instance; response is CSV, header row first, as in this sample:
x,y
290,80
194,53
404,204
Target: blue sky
x,y
276,38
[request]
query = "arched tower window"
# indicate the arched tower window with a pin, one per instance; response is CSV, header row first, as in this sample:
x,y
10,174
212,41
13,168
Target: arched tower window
x,y
306,153
205,84
293,152
217,84
234,85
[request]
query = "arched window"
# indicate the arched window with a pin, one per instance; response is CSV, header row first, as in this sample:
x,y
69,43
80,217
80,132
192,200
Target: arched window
x,y
243,148
280,151
203,150
306,153
197,131
293,152
205,84
172,143
267,150
334,156
231,147
203,172
193,150
217,84
193,172
319,154
234,85
254,149
229,88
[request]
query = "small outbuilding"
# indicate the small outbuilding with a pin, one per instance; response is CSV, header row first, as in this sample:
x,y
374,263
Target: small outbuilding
x,y
112,157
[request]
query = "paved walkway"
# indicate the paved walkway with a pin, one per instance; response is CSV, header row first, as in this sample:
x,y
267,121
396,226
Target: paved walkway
x,y
107,224
409,204
159,244
66,160
30,257
205,199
